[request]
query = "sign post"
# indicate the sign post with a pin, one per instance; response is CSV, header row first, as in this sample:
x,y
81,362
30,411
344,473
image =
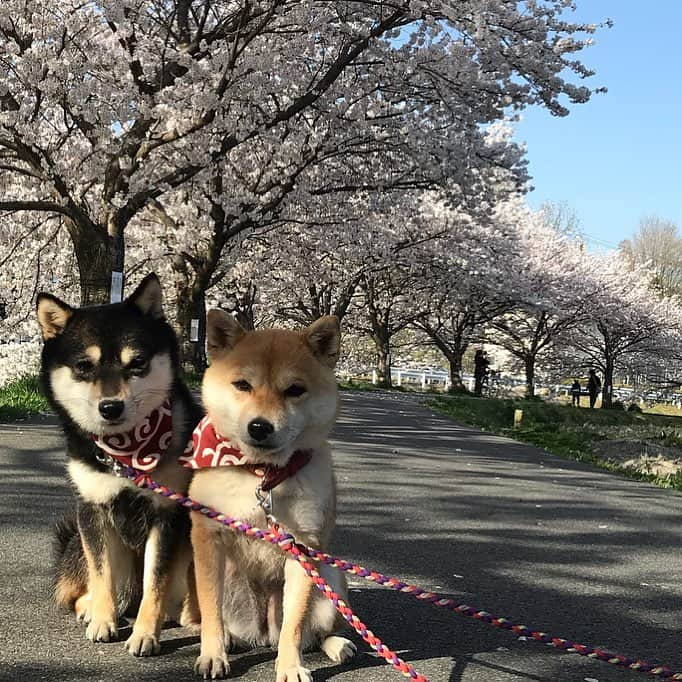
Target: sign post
x,y
116,287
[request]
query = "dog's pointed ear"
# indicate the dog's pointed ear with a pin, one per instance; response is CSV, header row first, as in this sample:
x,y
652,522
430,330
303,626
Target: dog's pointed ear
x,y
324,339
148,297
222,332
53,315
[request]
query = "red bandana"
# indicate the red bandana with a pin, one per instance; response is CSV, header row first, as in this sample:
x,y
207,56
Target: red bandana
x,y
144,446
213,450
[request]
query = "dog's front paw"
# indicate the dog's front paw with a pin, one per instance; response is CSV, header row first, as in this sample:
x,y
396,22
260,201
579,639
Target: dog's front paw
x,y
338,649
296,673
143,645
102,631
212,667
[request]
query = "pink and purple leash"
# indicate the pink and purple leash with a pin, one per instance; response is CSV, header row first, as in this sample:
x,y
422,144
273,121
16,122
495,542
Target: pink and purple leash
x,y
287,543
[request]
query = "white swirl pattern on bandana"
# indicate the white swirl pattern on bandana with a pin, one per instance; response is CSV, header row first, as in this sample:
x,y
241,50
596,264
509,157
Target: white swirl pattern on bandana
x,y
210,449
144,446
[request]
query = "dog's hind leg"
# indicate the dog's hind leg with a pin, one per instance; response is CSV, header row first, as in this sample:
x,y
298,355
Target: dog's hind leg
x,y
181,603
70,566
190,616
110,567
324,620
165,565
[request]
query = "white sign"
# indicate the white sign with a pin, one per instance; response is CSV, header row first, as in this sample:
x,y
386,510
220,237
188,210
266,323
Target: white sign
x,y
194,330
116,287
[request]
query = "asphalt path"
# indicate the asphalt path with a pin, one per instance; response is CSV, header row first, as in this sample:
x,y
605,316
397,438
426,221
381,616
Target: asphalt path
x,y
555,545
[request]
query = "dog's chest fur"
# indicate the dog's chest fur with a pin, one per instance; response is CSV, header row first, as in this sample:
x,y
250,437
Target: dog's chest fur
x,y
304,505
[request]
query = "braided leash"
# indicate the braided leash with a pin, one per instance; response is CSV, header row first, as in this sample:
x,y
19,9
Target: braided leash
x,y
287,543
465,610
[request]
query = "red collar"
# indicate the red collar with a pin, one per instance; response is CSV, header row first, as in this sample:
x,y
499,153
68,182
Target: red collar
x,y
143,447
213,450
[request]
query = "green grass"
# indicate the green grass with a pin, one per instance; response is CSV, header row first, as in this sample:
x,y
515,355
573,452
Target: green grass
x,y
362,385
21,398
567,431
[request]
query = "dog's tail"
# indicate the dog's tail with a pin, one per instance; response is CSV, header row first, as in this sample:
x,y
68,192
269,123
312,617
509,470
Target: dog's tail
x,y
70,567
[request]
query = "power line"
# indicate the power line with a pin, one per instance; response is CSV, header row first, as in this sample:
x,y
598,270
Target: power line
x,y
599,242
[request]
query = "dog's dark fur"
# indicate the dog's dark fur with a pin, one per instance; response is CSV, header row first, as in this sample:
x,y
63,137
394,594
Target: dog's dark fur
x,y
119,533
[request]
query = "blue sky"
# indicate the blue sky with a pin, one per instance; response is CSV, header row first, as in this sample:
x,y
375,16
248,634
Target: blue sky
x,y
618,157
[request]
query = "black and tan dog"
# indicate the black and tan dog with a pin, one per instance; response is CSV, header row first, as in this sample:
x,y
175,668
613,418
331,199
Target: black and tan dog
x,y
111,373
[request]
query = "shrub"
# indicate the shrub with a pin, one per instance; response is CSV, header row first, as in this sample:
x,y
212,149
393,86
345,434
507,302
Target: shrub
x,y
616,405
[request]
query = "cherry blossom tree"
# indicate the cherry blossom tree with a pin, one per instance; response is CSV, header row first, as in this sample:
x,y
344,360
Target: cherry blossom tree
x,y
626,322
34,256
388,308
550,277
109,108
467,281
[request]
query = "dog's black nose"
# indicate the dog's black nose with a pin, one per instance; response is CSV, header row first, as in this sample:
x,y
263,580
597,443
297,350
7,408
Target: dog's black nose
x,y
260,429
111,409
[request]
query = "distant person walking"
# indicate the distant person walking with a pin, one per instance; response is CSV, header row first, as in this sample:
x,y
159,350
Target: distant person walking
x,y
481,363
575,393
593,387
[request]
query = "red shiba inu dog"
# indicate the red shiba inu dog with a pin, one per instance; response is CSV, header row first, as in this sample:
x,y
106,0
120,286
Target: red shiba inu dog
x,y
271,401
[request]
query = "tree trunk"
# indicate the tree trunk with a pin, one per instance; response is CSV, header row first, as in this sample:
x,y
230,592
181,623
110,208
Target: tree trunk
x,y
529,362
607,385
383,364
455,355
97,255
453,350
456,383
191,305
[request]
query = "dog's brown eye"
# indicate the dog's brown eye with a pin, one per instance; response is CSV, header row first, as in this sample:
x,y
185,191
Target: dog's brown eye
x,y
242,385
84,366
294,391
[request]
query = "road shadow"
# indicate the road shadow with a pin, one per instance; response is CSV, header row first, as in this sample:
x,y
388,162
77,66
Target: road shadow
x,y
553,544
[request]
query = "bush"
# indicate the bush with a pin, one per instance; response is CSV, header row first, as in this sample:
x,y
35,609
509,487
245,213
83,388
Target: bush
x,y
458,389
634,407
616,405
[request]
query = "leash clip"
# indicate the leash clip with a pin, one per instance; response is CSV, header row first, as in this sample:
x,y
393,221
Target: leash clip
x,y
117,469
265,503
104,458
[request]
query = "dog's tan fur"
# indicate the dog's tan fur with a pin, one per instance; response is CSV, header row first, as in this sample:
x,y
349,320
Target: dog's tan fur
x,y
267,599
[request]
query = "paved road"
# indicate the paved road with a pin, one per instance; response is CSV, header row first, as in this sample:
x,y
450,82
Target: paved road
x,y
549,543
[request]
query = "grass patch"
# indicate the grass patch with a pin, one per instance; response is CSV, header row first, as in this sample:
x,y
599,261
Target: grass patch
x,y
567,431
664,409
360,385
22,398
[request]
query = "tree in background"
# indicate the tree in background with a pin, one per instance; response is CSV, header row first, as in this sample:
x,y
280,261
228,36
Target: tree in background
x,y
552,290
658,248
625,321
561,217
468,282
